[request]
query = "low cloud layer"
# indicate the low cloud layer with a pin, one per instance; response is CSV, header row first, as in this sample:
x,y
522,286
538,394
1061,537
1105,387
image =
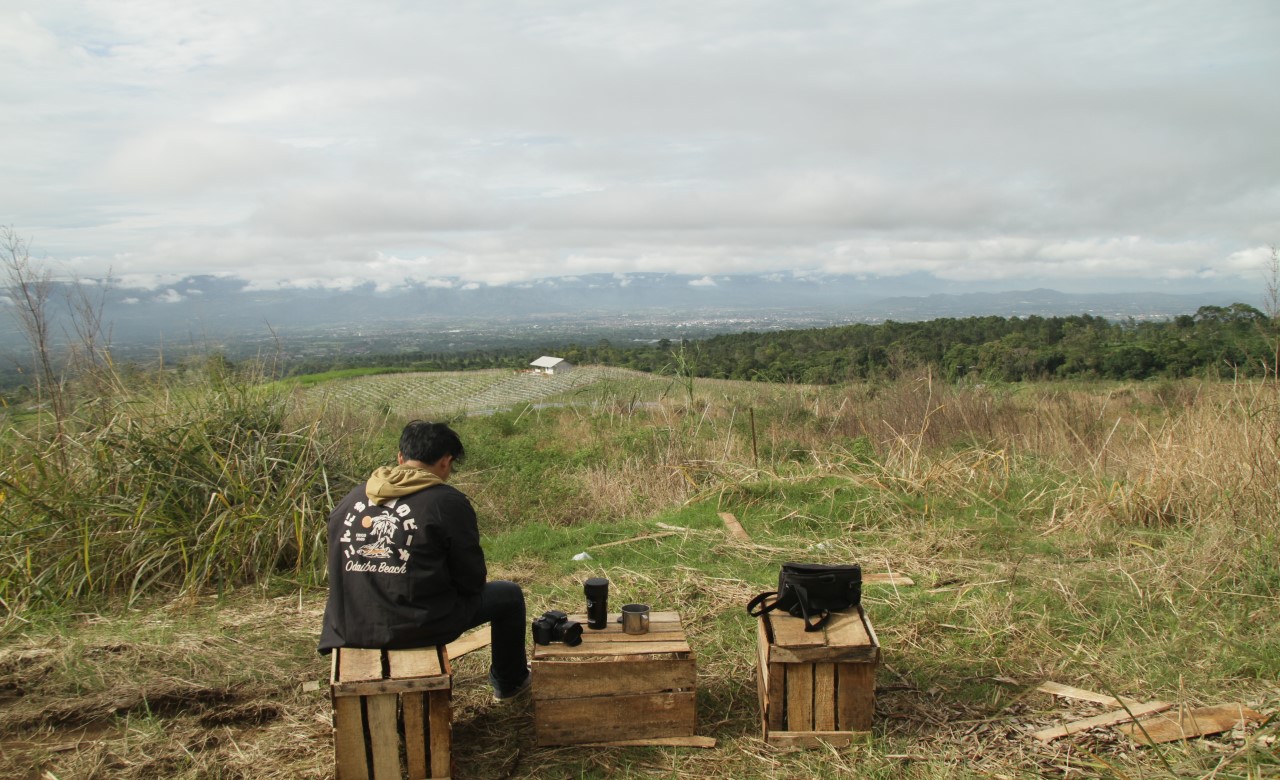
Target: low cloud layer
x,y
317,144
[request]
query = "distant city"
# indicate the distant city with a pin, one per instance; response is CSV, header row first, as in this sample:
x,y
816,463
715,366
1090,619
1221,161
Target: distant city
x,y
204,314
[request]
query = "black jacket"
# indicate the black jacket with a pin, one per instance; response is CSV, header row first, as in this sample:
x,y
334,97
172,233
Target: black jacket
x,y
407,573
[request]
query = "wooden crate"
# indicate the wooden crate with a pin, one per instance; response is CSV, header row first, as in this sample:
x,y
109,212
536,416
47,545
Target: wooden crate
x,y
392,717
615,686
817,686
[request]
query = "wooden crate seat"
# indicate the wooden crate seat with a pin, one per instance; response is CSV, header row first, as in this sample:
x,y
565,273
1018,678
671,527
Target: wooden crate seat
x,y
392,716
816,686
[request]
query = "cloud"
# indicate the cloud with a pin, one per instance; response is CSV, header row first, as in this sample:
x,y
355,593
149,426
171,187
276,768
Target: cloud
x,y
705,281
170,296
292,144
189,159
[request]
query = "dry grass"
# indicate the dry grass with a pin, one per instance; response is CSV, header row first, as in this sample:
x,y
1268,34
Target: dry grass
x,y
1120,539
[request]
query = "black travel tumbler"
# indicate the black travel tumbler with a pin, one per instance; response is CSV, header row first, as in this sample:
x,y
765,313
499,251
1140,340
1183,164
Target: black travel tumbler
x,y
597,590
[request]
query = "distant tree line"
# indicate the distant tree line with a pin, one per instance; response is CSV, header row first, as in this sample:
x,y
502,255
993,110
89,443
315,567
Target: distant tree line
x,y
1236,340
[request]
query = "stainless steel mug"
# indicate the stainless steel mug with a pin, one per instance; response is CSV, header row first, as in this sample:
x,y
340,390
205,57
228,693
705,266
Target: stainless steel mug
x,y
635,618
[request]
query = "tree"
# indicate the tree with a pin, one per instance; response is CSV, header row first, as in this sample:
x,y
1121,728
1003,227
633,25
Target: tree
x,y
28,287
1271,306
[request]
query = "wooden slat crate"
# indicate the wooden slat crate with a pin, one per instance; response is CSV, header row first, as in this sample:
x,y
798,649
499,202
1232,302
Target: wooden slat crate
x,y
392,717
616,686
817,686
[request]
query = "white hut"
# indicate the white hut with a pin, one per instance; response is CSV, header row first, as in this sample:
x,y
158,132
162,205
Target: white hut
x,y
550,365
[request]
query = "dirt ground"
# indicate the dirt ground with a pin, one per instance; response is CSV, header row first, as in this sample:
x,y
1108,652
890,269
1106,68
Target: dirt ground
x,y
234,689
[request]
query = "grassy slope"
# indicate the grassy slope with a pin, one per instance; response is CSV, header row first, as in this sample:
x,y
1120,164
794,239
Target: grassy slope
x,y
1032,559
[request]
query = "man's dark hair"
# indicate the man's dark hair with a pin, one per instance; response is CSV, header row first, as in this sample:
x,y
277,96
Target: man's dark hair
x,y
428,442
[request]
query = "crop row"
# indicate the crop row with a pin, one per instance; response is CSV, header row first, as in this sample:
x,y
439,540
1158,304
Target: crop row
x,y
461,392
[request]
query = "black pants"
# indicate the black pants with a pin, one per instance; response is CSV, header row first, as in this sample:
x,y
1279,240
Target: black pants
x,y
502,607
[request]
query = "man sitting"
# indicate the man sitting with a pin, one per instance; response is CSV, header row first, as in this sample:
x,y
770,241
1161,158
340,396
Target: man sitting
x,y
406,568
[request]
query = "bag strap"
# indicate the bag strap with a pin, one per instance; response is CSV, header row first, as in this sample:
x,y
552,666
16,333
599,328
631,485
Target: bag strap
x,y
811,622
756,607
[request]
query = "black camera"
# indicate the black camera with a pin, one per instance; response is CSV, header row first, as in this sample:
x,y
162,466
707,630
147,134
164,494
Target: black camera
x,y
555,626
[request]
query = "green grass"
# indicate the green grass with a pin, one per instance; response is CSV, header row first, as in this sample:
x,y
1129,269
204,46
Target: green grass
x,y
1032,561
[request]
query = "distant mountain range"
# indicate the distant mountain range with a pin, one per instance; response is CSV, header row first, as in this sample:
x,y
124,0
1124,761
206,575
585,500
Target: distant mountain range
x,y
200,308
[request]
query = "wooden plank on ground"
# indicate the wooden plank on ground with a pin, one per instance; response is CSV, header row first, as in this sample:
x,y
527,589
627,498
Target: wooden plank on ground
x,y
384,735
415,662
468,643
887,578
1188,723
1105,719
734,528
1067,691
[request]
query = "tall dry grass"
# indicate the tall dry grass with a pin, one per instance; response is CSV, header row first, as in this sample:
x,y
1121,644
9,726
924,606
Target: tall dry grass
x,y
1147,455
169,483
221,479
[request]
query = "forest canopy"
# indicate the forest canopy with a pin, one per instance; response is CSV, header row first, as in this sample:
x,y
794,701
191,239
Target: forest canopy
x,y
1235,340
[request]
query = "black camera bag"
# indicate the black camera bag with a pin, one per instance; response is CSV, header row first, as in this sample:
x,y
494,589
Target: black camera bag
x,y
812,591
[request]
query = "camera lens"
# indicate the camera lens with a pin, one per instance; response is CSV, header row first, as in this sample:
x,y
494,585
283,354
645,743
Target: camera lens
x,y
569,632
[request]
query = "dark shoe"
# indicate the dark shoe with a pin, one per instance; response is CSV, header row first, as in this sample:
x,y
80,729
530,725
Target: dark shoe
x,y
502,694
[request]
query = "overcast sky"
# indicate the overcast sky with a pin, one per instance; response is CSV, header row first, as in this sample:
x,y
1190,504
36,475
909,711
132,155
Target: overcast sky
x,y
1015,143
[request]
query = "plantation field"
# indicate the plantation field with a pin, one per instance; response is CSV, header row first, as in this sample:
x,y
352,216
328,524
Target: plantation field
x,y
162,570
443,395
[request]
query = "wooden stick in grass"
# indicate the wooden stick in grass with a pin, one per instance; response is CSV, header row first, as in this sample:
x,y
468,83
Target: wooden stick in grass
x,y
633,539
1105,719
